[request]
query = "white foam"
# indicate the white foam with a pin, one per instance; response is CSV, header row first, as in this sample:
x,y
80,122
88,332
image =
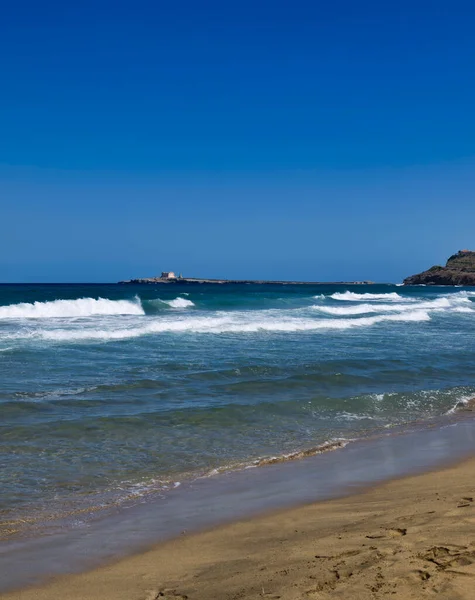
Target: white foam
x,y
462,400
347,416
178,302
82,307
463,294
353,297
360,309
455,303
227,323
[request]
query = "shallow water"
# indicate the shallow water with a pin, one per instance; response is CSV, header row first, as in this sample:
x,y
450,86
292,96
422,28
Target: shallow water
x,y
109,393
210,501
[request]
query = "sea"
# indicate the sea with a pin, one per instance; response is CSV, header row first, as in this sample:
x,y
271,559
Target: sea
x,y
116,395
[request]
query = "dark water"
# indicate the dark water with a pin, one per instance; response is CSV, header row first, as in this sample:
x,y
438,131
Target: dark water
x,y
109,393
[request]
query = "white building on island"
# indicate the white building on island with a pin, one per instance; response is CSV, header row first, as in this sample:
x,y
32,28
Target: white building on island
x,y
168,275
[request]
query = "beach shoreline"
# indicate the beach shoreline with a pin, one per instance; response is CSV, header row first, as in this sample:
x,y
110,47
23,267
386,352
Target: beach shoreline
x,y
431,451
412,537
39,523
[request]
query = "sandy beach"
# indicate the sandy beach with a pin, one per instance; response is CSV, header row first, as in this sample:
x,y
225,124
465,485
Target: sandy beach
x,y
410,538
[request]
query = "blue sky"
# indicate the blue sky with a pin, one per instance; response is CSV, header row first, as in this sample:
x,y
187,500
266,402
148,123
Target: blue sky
x,y
295,139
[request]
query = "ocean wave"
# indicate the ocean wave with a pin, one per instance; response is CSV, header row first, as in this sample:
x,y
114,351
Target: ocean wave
x,y
360,309
353,297
299,454
178,302
158,304
82,307
329,446
223,324
455,303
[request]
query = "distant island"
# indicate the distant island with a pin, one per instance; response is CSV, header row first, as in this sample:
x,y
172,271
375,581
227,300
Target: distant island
x,y
169,277
459,270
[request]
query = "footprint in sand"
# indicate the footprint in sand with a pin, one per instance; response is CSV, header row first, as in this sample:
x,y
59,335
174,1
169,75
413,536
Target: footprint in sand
x,y
465,501
449,556
391,532
397,531
421,575
165,595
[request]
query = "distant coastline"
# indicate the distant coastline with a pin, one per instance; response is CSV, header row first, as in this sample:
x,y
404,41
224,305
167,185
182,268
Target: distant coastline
x,y
198,280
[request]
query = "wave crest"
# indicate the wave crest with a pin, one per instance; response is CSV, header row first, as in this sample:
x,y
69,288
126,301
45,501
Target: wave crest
x,y
452,304
82,307
178,302
353,297
224,324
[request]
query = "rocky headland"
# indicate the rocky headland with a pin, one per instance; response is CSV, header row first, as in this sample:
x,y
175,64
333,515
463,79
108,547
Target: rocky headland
x,y
459,270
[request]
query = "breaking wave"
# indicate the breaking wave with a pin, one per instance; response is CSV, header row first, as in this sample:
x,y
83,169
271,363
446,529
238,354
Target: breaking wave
x,y
82,307
232,323
178,302
454,304
353,297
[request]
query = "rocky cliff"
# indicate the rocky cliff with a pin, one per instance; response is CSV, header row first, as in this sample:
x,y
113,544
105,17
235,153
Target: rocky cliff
x,y
459,270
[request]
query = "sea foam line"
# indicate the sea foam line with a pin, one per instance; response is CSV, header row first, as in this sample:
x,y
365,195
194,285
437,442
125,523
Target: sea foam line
x,y
389,296
456,304
353,297
82,307
219,324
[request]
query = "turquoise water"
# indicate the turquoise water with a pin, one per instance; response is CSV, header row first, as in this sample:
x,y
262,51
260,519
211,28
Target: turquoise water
x,y
110,393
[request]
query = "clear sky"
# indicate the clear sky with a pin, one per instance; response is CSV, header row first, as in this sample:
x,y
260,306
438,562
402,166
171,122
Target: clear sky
x,y
310,140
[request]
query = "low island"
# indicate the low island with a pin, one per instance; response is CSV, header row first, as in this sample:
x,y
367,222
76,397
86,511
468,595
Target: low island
x,y
169,277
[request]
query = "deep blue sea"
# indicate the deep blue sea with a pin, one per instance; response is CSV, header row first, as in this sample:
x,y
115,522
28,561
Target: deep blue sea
x,y
109,393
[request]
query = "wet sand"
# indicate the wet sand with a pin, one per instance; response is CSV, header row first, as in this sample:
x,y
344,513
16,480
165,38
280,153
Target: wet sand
x,y
411,538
